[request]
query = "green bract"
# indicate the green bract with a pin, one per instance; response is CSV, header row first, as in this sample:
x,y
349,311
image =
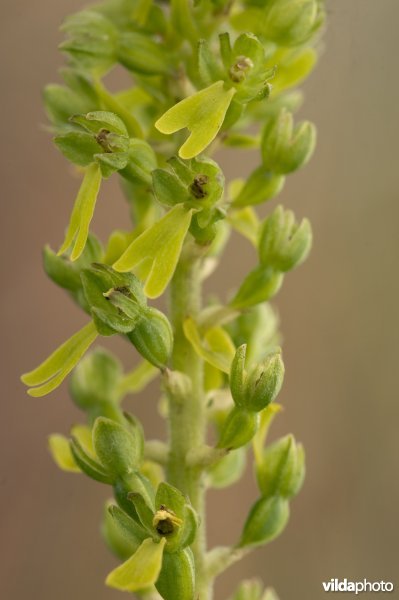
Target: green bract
x,y
199,75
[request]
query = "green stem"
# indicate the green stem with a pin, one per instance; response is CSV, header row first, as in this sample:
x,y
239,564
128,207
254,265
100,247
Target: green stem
x,y
187,422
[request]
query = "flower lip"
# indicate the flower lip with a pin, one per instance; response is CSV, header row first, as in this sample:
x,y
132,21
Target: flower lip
x,y
165,521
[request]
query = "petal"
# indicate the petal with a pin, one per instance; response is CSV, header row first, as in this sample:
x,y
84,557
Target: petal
x,y
141,570
50,373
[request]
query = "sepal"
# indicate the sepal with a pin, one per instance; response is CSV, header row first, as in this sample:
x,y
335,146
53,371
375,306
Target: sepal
x,y
121,533
88,464
100,282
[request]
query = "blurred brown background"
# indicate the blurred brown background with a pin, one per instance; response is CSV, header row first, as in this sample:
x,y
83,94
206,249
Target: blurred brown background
x,y
339,317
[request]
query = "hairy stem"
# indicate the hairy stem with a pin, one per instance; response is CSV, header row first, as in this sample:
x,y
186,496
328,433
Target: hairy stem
x,y
187,423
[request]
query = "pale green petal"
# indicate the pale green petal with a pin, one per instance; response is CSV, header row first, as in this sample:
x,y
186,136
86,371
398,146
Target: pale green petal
x,y
50,373
83,434
246,221
137,379
154,254
202,114
215,345
82,212
141,570
266,418
61,452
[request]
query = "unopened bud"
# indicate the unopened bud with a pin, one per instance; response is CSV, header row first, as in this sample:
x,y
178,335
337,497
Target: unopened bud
x,y
116,447
282,468
264,382
153,337
238,429
176,580
289,23
266,521
95,379
284,244
286,148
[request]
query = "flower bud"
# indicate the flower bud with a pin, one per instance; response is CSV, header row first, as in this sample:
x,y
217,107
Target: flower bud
x,y
100,284
284,244
289,23
259,286
153,337
238,376
66,273
91,40
281,470
95,379
177,385
176,580
140,54
261,186
228,470
258,326
238,429
118,450
286,148
264,383
266,521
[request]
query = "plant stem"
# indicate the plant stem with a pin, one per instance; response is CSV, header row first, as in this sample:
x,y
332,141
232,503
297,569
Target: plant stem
x,y
187,422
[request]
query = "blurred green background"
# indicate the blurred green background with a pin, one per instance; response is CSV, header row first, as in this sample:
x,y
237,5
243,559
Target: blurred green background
x,y
339,317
